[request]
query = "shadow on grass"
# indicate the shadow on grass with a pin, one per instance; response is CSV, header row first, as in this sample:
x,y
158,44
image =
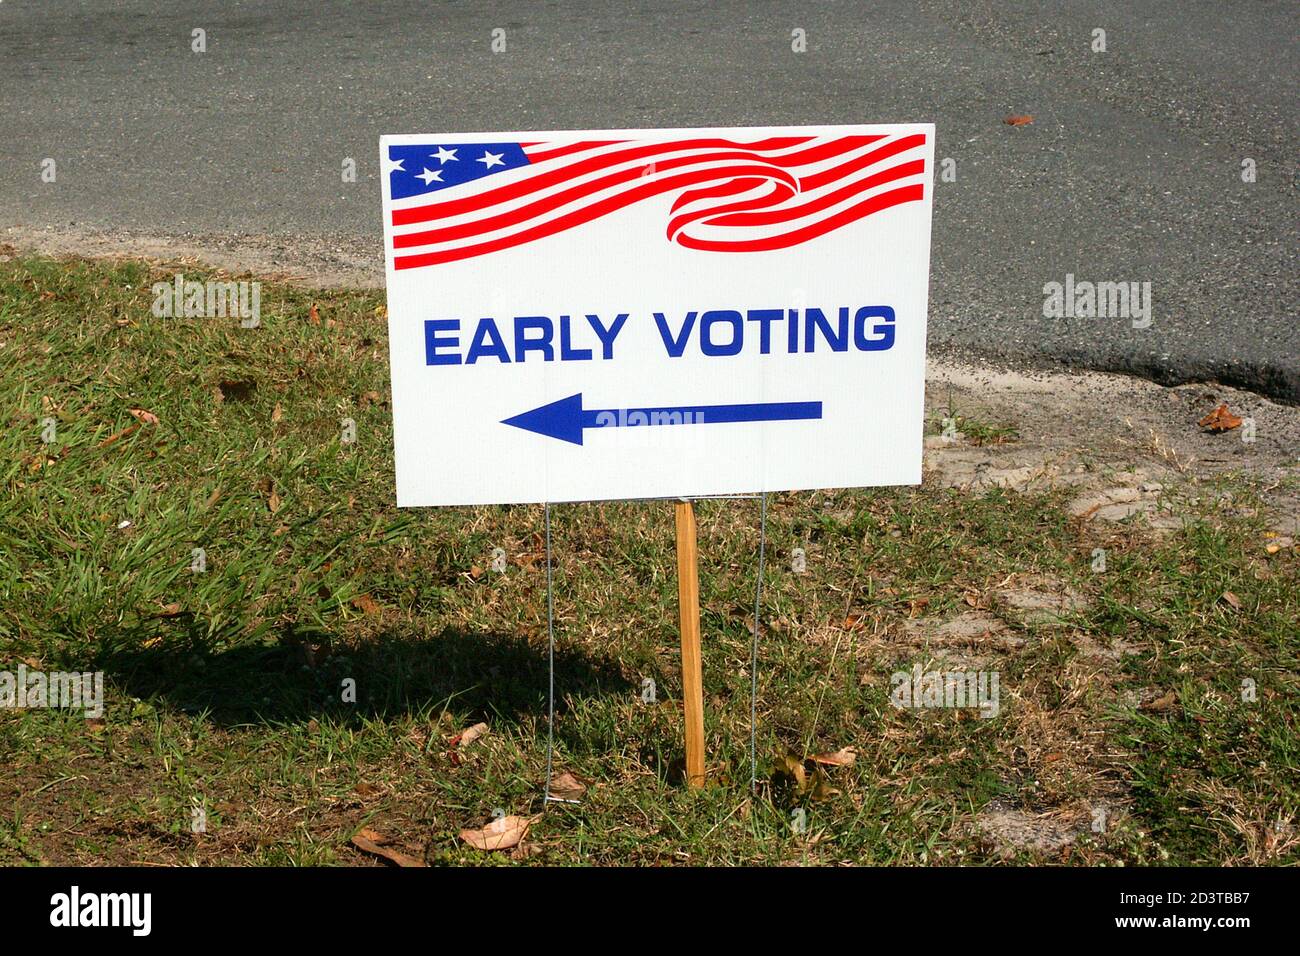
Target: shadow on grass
x,y
488,676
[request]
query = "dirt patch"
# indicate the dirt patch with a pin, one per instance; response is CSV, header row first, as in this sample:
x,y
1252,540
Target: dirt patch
x,y
1123,446
320,262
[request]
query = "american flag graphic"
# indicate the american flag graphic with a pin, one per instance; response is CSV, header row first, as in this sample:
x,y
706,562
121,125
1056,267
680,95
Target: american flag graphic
x,y
727,196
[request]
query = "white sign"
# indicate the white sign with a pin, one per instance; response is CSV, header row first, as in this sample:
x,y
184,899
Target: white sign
x,y
656,313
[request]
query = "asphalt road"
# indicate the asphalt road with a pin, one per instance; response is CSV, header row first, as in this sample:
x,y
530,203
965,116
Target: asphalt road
x,y
1131,170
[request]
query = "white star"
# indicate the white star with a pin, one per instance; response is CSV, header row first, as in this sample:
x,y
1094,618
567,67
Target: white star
x,y
491,159
442,155
429,176
393,165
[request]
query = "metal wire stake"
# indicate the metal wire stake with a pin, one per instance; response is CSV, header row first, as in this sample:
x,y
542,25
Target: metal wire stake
x,y
753,657
550,635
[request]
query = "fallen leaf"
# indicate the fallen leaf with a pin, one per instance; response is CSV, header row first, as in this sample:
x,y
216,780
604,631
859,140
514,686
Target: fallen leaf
x,y
313,315
366,604
213,498
118,435
170,610
468,736
277,413
501,834
916,606
567,787
1021,120
273,502
370,842
1227,597
525,850
149,418
822,789
476,572
1220,420
1162,703
369,398
855,622
788,765
840,758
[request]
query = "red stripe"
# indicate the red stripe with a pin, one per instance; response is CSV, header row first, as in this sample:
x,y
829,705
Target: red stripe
x,y
456,207
825,201
875,204
817,180
578,216
546,204
777,194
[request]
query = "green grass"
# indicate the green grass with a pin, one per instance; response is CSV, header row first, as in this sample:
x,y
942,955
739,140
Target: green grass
x,y
224,688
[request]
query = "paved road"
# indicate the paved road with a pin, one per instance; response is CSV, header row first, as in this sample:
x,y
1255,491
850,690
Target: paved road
x,y
1131,170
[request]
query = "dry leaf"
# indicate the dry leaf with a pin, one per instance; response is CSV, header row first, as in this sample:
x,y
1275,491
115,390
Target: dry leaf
x,y
822,789
844,757
277,413
788,765
1220,420
371,842
468,736
1021,120
170,610
369,398
567,787
1162,703
313,315
366,604
122,434
476,572
1231,600
501,834
273,502
149,418
213,498
525,850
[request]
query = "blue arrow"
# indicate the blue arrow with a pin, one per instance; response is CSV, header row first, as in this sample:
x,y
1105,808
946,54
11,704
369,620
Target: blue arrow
x,y
566,418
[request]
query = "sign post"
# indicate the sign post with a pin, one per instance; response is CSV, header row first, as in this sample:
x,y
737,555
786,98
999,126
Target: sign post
x,y
688,599
671,314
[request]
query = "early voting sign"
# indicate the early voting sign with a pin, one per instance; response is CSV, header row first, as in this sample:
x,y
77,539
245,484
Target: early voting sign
x,y
656,313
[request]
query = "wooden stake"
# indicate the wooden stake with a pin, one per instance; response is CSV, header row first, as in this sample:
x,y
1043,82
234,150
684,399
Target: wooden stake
x,y
688,598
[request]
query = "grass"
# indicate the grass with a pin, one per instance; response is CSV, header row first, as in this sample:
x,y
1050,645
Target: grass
x,y
225,688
